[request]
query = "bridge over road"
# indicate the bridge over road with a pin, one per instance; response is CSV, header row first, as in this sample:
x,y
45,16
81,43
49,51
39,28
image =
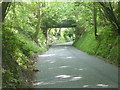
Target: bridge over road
x,y
62,24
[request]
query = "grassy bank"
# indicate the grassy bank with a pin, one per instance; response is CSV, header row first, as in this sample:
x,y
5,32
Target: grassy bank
x,y
106,44
18,56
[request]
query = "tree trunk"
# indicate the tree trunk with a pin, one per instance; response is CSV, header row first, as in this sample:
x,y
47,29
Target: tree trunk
x,y
45,33
108,10
59,34
35,36
5,5
95,20
118,17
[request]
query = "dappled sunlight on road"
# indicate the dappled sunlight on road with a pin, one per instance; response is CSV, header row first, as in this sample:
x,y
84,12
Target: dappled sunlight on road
x,y
37,83
59,67
68,57
50,68
85,86
42,83
46,55
52,62
63,76
47,83
75,78
80,69
102,85
63,66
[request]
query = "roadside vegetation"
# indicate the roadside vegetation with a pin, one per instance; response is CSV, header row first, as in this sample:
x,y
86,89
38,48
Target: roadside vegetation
x,y
25,33
29,28
100,36
106,48
18,46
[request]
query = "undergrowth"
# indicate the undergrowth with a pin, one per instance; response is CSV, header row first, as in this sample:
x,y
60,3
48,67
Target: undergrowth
x,y
105,45
18,52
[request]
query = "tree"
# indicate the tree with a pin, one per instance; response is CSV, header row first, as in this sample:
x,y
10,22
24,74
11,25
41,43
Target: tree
x,y
95,20
35,36
110,14
5,6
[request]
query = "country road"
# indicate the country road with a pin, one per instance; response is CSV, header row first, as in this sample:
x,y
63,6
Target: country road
x,y
64,66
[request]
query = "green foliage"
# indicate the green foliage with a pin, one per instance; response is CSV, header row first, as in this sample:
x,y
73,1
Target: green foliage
x,y
18,46
106,45
21,24
60,35
55,12
17,49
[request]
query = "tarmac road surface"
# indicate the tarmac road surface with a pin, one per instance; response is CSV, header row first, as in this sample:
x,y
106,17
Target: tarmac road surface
x,y
64,66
